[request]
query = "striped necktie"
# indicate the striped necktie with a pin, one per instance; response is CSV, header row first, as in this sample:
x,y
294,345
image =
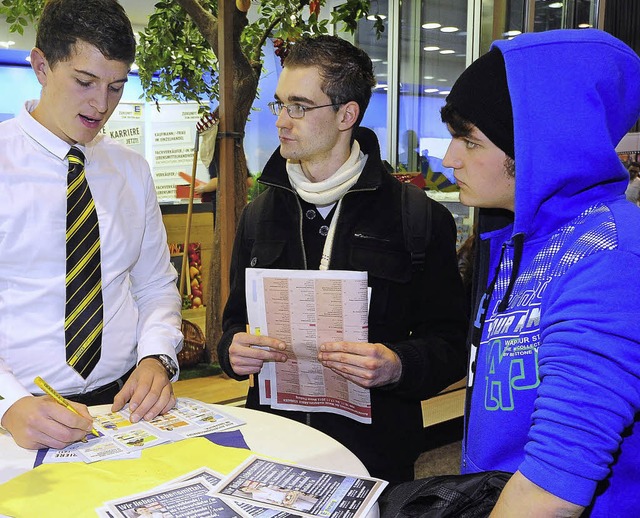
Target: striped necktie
x,y
83,309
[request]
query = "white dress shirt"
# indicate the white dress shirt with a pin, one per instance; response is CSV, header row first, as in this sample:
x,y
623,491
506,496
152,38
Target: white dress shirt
x,y
142,307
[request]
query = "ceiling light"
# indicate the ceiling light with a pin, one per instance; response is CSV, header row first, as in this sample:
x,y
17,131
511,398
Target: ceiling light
x,y
431,25
428,77
442,80
431,49
556,5
374,17
511,34
447,51
430,90
444,92
375,60
449,29
584,26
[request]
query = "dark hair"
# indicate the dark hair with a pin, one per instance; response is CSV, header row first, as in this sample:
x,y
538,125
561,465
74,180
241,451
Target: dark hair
x,y
458,125
101,23
461,127
346,71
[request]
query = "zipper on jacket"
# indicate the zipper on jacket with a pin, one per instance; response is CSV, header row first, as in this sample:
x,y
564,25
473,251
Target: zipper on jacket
x,y
476,337
300,233
300,218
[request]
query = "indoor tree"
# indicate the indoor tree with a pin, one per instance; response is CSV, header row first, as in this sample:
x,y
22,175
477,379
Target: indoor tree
x,y
177,60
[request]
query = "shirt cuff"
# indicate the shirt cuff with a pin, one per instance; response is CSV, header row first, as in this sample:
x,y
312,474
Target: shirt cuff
x,y
10,391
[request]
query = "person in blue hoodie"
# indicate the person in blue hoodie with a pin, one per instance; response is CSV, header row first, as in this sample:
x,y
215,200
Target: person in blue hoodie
x,y
554,376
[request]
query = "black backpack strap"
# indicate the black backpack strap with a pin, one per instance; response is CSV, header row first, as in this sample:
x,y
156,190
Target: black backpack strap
x,y
444,496
416,223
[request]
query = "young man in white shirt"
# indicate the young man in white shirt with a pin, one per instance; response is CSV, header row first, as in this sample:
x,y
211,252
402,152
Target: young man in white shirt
x,y
83,54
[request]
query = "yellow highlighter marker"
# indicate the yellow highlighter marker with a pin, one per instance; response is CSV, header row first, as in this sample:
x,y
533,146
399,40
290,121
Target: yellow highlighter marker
x,y
49,391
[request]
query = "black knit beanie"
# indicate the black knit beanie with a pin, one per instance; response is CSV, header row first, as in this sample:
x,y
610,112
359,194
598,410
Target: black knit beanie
x,y
481,96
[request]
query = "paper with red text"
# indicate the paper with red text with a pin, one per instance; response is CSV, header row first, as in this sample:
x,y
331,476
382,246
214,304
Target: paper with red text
x,y
305,309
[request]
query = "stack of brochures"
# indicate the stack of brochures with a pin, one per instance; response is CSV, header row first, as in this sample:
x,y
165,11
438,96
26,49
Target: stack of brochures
x,y
120,438
259,487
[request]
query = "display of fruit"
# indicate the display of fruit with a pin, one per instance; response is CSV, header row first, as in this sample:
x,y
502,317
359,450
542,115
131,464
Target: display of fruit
x,y
403,178
281,49
243,5
194,300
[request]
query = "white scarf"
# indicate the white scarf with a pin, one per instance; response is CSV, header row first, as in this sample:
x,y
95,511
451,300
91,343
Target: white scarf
x,y
328,191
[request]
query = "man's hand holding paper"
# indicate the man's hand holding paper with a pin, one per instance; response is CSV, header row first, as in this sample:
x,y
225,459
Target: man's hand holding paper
x,y
365,364
248,352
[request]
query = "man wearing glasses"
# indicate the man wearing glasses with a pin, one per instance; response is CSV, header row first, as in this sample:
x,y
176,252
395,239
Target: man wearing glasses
x,y
331,205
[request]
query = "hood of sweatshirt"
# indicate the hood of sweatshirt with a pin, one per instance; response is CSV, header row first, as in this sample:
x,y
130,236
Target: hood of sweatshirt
x,y
574,94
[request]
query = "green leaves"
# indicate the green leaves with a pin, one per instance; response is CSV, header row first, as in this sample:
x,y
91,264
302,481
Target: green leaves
x,y
176,62
20,13
350,12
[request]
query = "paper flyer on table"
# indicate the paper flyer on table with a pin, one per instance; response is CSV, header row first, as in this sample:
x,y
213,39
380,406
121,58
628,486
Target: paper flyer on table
x,y
300,489
159,500
211,476
305,308
257,511
188,499
119,437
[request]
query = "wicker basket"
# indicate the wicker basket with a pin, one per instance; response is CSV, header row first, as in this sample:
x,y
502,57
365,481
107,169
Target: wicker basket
x,y
193,349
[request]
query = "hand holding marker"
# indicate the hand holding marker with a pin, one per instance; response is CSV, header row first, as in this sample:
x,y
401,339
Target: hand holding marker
x,y
59,399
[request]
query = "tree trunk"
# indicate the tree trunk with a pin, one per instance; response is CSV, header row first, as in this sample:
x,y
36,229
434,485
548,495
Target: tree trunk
x,y
245,89
245,85
215,305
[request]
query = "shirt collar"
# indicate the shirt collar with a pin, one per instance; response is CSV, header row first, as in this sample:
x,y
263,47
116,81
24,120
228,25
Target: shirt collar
x,y
41,136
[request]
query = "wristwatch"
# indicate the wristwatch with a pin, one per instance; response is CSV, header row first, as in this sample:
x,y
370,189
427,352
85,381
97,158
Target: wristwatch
x,y
166,361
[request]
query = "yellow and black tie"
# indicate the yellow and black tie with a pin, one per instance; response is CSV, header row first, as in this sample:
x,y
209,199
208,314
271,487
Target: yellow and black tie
x,y
83,311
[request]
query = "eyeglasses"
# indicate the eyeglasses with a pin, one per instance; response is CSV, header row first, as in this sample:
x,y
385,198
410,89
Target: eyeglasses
x,y
295,111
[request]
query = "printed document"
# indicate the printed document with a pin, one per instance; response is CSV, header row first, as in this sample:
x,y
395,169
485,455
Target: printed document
x,y
300,490
257,488
304,309
120,438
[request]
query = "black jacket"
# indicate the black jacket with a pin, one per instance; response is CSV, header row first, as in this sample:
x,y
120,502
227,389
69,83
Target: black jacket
x,y
418,314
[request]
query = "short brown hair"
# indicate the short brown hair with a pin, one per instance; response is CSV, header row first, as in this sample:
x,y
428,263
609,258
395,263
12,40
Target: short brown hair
x,y
101,23
346,70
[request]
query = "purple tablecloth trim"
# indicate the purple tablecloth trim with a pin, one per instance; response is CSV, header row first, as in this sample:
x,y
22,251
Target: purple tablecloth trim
x,y
235,439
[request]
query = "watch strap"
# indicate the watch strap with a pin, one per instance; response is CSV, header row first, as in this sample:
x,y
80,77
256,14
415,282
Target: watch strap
x,y
167,362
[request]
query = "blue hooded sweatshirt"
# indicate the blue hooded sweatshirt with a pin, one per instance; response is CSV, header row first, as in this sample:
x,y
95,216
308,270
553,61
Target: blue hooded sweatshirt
x,y
554,384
